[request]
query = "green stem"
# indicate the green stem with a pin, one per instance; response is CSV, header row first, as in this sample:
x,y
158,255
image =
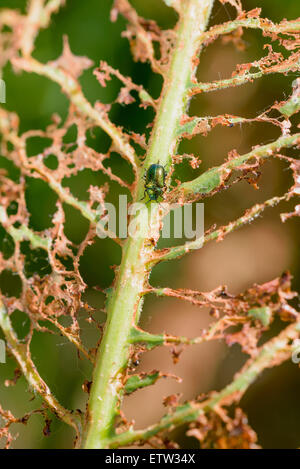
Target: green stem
x,y
272,353
124,304
211,180
253,23
237,80
175,252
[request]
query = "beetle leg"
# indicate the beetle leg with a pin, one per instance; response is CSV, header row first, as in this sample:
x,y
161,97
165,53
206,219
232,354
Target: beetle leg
x,y
149,198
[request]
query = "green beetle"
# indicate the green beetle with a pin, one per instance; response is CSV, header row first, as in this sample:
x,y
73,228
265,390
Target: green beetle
x,y
155,178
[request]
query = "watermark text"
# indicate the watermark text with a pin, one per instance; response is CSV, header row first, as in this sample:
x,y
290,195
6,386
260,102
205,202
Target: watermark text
x,y
2,91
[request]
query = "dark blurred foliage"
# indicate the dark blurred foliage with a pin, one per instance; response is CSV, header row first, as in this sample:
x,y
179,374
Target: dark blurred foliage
x,y
272,403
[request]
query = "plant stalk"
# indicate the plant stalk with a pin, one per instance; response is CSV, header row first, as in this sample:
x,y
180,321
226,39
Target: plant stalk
x,y
125,301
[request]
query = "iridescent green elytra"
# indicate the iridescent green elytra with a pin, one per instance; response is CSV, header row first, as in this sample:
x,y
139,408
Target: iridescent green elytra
x,y
155,182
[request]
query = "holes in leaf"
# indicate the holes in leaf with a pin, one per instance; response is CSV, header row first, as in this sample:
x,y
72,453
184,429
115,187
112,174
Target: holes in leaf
x,y
10,283
70,147
7,245
12,209
97,139
75,226
120,167
133,117
183,171
36,261
80,183
36,145
49,300
51,161
40,200
21,323
71,135
10,146
67,262
157,53
96,261
65,321
12,172
6,29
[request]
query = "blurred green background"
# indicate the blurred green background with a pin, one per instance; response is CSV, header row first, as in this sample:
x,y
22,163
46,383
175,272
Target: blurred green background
x,y
257,253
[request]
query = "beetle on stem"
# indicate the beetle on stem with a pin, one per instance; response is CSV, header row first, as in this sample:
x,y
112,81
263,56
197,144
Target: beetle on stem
x,y
155,184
